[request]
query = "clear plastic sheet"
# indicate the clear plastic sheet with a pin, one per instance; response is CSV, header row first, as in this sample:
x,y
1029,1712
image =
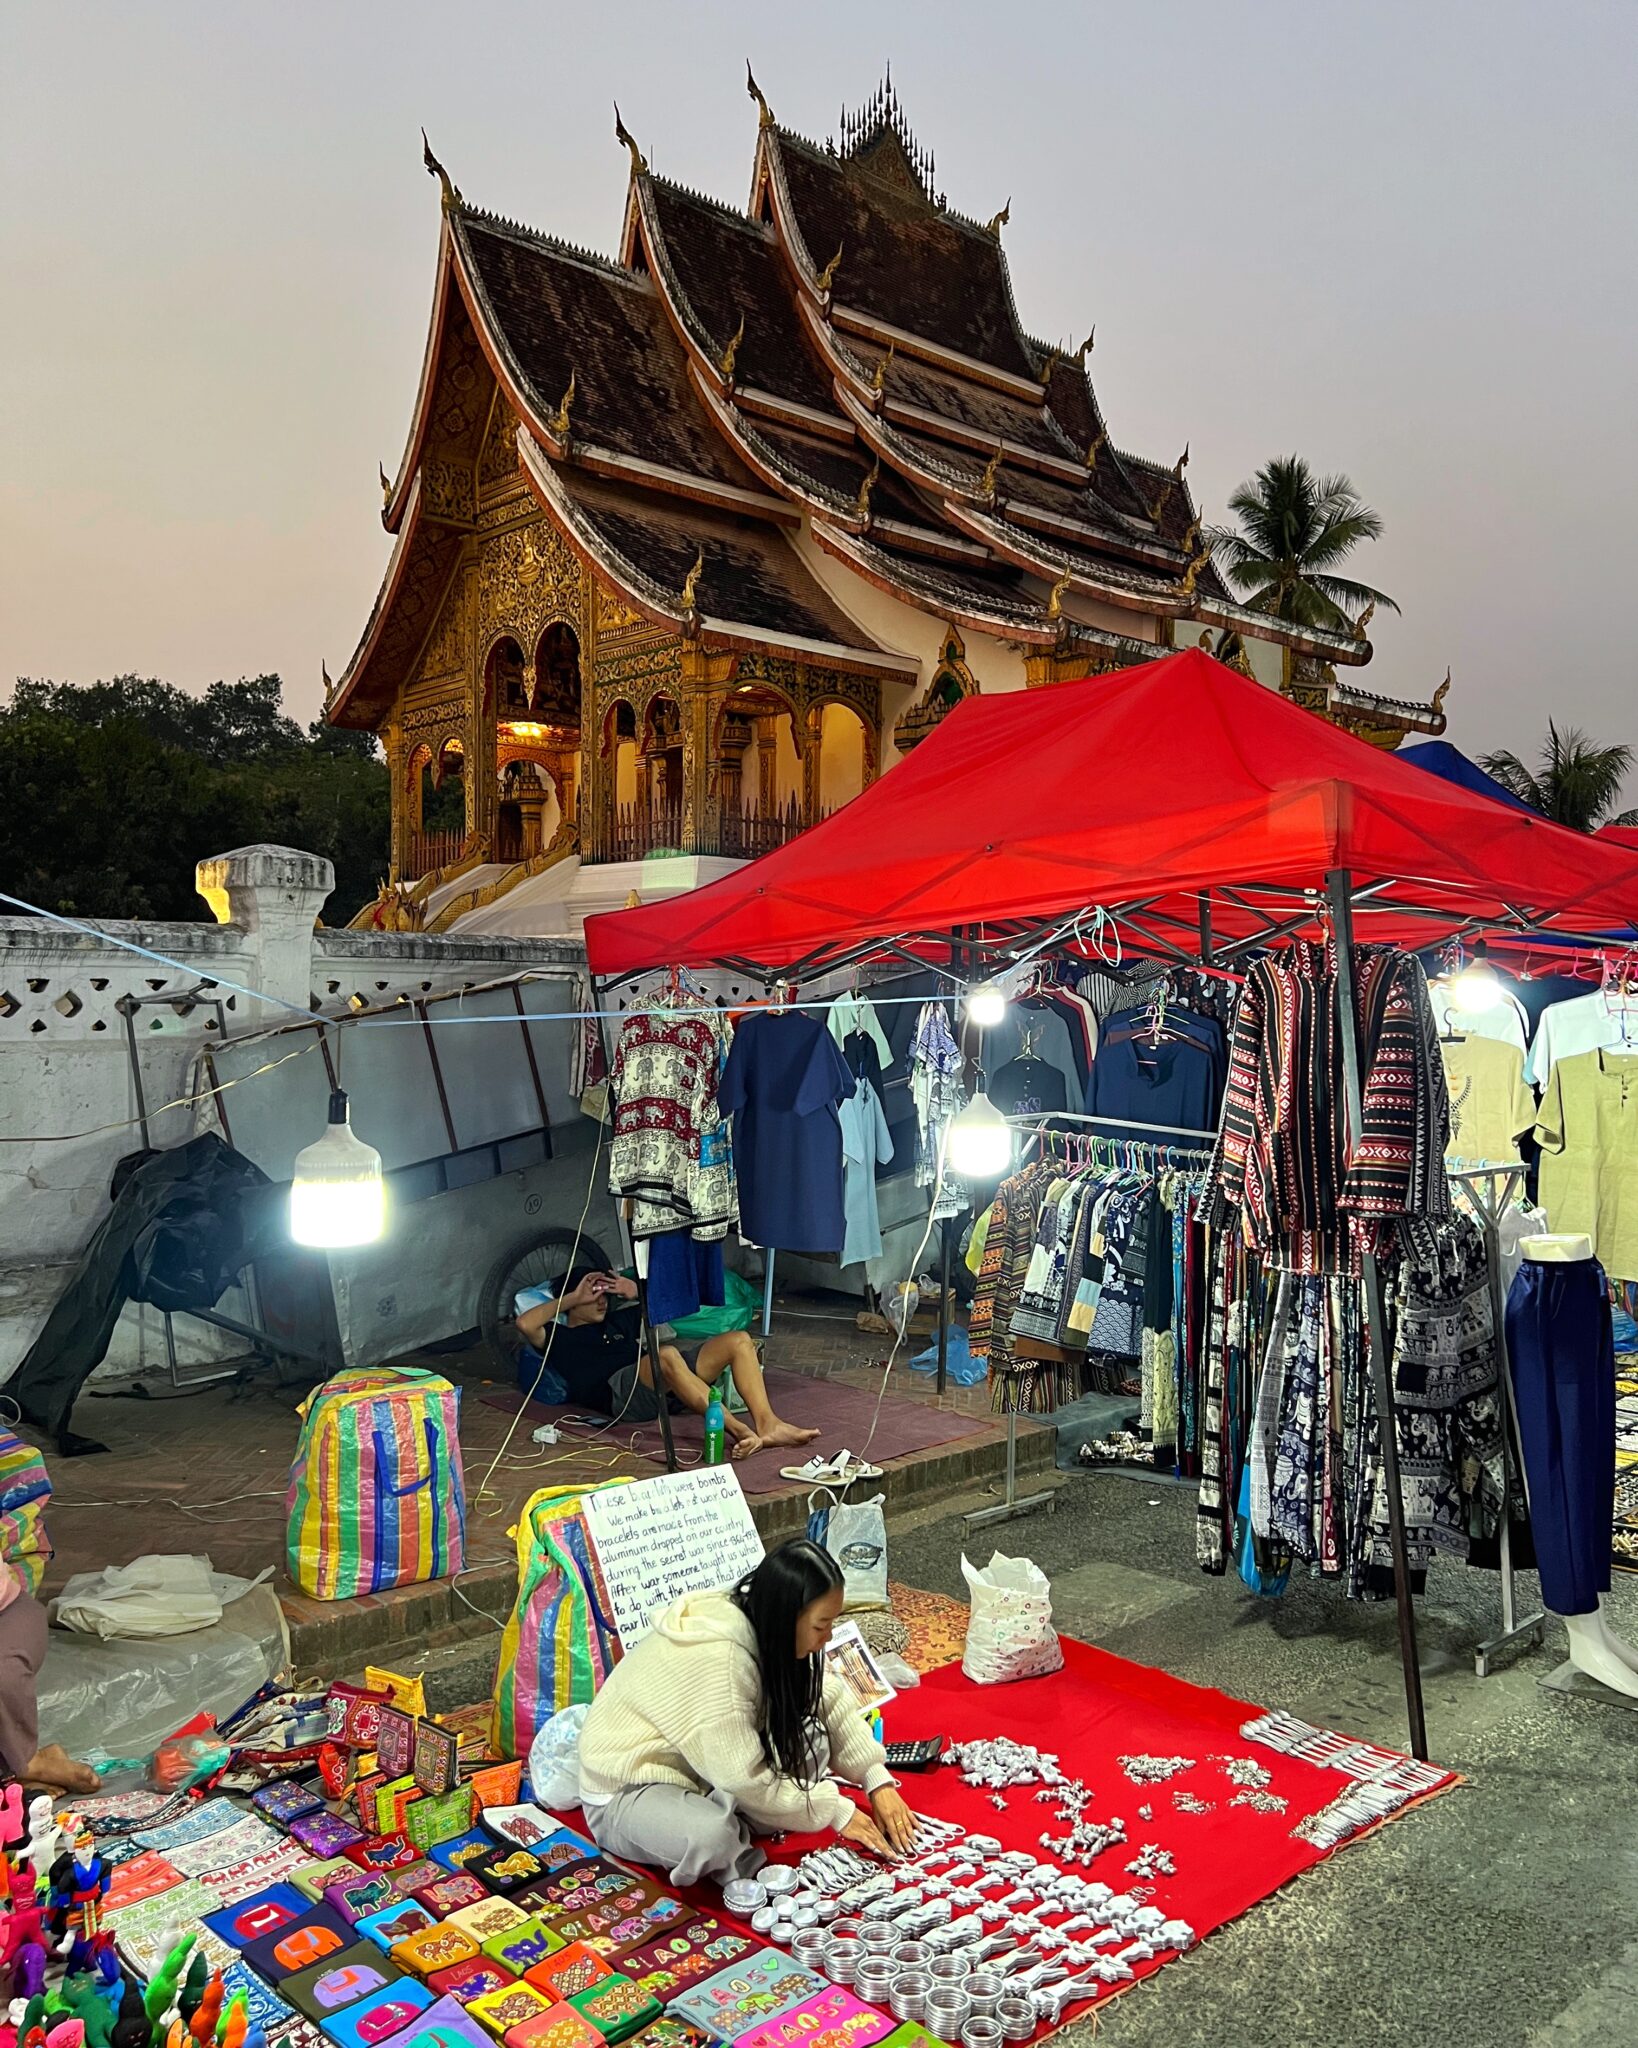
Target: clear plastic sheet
x,y
122,1698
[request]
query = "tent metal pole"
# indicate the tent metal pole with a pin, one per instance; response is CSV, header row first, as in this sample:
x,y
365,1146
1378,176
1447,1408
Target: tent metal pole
x,y
1337,886
638,1265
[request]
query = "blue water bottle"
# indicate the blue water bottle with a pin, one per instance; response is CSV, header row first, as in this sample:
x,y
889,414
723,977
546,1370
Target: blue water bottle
x,y
716,1430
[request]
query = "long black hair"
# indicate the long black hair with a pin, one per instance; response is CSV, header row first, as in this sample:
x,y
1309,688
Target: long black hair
x,y
772,1599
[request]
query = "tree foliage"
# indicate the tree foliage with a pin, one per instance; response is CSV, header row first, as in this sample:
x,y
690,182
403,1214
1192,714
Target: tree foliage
x,y
110,791
1577,784
1295,529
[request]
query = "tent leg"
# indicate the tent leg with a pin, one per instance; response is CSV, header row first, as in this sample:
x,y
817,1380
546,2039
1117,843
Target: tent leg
x,y
767,1289
637,1264
943,1301
1337,885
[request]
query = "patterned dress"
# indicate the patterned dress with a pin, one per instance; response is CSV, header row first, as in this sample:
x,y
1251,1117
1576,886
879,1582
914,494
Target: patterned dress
x,y
670,1155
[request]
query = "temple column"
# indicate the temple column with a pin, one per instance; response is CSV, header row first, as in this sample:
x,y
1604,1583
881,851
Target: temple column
x,y
392,743
809,740
531,802
705,679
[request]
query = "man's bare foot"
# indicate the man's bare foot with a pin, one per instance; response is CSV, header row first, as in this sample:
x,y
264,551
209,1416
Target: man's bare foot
x,y
55,1768
746,1446
786,1436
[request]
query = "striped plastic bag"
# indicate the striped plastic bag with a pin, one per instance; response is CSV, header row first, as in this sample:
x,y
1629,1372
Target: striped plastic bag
x,y
560,1643
377,1497
25,1487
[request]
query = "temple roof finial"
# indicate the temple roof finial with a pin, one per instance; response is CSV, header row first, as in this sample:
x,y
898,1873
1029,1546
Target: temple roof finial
x,y
451,191
639,163
827,276
999,221
691,584
730,355
1085,348
764,113
386,483
1055,597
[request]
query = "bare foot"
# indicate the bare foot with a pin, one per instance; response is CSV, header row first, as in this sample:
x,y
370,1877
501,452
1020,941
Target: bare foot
x,y
53,1766
745,1446
786,1436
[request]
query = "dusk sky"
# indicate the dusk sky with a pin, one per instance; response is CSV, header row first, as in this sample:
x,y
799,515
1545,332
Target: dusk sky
x,y
1396,238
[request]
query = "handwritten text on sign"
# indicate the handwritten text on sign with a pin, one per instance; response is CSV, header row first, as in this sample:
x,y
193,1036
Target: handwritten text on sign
x,y
685,1532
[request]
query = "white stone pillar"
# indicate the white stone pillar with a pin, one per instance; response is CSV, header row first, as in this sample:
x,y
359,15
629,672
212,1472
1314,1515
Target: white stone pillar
x,y
273,895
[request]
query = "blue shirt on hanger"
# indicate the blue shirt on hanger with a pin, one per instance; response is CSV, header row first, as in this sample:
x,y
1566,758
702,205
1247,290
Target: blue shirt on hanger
x,y
783,1084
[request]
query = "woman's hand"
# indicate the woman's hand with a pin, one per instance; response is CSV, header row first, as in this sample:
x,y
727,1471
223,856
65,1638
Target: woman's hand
x,y
894,1819
863,1832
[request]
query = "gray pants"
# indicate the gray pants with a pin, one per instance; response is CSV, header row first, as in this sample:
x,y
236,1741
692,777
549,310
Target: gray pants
x,y
690,1834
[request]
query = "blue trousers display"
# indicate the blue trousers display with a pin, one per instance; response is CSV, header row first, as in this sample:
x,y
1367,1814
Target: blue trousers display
x,y
1563,1359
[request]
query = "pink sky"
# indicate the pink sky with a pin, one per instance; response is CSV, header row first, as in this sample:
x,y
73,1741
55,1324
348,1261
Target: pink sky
x,y
1395,238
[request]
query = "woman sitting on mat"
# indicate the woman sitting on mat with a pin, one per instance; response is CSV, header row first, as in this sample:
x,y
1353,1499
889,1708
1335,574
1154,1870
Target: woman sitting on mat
x,y
722,1720
22,1652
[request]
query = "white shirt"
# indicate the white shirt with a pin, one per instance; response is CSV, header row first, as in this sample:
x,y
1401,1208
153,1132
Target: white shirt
x,y
1590,1023
1506,1019
850,1013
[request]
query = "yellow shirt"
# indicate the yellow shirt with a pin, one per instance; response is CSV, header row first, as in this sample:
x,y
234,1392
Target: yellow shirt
x,y
1587,1128
1491,1106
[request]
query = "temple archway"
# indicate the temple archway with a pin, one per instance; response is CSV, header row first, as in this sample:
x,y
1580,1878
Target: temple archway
x,y
844,755
505,680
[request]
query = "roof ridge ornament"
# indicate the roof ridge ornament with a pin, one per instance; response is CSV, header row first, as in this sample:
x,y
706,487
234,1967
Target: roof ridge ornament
x,y
1181,464
451,191
764,113
1365,619
997,222
878,381
622,135
1055,597
559,421
690,593
992,472
861,504
730,355
1095,447
386,484
1085,348
1196,564
1443,691
827,276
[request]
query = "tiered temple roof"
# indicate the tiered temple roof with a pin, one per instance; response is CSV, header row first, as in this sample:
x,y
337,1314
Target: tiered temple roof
x,y
843,359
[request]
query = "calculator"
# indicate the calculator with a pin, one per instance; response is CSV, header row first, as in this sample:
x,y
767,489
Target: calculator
x,y
915,1756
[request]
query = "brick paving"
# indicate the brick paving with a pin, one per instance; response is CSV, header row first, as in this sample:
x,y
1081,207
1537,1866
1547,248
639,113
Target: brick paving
x,y
206,1473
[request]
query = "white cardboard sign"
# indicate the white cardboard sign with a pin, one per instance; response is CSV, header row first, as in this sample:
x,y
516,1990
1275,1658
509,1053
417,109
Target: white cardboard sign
x,y
683,1532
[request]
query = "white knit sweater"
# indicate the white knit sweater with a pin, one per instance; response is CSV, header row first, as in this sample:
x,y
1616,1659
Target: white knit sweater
x,y
682,1707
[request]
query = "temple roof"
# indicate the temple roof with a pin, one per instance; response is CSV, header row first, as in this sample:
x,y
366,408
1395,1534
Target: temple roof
x,y
847,350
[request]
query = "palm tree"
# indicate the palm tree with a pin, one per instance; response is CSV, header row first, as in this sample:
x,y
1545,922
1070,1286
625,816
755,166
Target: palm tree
x,y
1577,783
1295,528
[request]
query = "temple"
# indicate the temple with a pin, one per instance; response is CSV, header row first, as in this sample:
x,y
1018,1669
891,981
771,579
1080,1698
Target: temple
x,y
693,543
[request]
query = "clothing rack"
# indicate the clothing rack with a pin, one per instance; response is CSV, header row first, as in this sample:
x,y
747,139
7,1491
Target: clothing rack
x,y
1490,1188
1012,1505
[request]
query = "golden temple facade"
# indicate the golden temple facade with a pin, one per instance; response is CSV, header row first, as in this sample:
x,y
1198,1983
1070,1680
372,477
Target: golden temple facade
x,y
692,542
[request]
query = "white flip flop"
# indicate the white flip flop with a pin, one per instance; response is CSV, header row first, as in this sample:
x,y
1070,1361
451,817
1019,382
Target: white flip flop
x,y
841,1470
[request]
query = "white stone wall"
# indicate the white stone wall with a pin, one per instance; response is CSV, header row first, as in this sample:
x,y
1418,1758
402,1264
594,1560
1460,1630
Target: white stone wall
x,y
68,1106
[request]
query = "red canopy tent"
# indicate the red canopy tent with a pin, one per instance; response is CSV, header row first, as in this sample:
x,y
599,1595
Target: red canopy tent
x,y
1207,814
1138,791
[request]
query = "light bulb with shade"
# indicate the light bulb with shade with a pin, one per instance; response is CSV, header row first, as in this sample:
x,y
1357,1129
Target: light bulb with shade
x,y
337,1195
986,1004
1476,986
978,1143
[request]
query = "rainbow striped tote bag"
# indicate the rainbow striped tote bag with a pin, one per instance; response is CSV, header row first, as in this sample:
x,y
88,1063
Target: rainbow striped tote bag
x,y
560,1643
376,1496
24,1490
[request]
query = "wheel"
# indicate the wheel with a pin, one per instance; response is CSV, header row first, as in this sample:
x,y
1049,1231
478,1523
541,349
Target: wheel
x,y
544,1258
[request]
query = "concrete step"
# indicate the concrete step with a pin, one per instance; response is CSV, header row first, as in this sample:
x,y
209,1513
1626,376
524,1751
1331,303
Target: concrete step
x,y
400,1628
456,1665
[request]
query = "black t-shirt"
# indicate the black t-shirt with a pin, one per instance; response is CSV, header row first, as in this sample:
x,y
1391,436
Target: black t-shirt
x,y
588,1355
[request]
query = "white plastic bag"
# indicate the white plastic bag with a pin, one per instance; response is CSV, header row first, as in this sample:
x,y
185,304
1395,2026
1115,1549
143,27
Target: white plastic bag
x,y
1011,1634
554,1760
856,1536
153,1596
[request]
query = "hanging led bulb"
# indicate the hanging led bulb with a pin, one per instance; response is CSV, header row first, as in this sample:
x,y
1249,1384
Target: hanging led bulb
x,y
337,1195
986,1004
978,1142
1476,986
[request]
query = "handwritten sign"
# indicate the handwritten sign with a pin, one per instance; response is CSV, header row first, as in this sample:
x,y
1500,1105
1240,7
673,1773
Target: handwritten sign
x,y
684,1532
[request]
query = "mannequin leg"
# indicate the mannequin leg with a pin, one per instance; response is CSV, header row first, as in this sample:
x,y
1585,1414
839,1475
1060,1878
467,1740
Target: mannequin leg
x,y
1627,1652
1592,1651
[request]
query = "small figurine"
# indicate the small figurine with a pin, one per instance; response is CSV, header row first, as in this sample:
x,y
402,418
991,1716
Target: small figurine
x,y
11,1814
46,1841
188,1999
